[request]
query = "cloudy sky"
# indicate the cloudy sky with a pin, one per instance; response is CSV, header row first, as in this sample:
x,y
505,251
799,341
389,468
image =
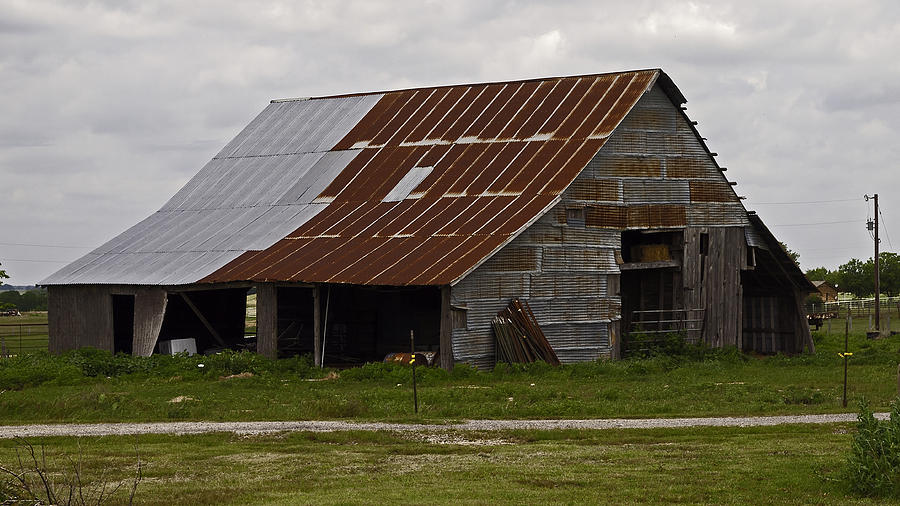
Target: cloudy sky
x,y
108,108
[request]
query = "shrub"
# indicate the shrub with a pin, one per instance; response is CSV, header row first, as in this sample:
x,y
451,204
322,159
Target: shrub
x,y
873,468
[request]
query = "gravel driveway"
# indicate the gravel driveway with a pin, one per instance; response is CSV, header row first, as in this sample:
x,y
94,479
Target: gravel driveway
x,y
118,429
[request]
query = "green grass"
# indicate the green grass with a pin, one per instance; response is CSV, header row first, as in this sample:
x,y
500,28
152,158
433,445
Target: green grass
x,y
771,465
23,334
92,387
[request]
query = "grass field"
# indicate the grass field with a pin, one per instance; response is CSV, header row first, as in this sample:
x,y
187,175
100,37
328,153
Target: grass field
x,y
23,334
93,387
787,464
773,465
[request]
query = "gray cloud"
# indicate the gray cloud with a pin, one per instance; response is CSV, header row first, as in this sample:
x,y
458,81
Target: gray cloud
x,y
108,107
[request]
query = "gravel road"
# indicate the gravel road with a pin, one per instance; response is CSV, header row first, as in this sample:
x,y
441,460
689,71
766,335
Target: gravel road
x,y
119,429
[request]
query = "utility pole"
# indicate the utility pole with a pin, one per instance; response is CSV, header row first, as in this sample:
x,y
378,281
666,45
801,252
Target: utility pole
x,y
877,267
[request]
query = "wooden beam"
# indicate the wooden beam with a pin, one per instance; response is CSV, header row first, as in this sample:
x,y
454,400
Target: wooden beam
x,y
202,318
806,336
267,320
317,326
149,312
446,341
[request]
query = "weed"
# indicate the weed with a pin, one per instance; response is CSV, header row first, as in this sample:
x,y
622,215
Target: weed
x,y
873,468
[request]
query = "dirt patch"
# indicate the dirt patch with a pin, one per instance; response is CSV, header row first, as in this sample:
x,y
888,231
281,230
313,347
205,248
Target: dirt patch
x,y
180,398
236,376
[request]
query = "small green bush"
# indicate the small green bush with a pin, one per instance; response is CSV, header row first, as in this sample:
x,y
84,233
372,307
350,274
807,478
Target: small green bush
x,y
873,468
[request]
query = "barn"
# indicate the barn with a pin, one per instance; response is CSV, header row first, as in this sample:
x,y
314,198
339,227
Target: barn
x,y
359,218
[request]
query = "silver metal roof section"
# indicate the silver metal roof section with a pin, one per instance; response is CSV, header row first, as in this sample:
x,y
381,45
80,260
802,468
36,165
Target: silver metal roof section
x,y
257,190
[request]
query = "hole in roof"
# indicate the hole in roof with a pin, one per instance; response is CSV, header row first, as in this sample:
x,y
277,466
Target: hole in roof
x,y
409,183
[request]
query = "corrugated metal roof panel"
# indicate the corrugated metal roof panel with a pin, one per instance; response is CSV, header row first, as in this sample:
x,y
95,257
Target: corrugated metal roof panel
x,y
232,205
501,154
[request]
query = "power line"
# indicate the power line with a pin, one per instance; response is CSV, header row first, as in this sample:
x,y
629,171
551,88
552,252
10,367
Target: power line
x,y
811,224
44,245
885,228
38,261
795,202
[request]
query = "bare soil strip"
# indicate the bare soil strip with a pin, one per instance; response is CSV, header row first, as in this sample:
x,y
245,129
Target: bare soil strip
x,y
122,429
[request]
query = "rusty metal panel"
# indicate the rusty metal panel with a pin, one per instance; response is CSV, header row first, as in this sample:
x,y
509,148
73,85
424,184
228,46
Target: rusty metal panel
x,y
596,190
645,191
514,258
689,167
712,191
653,118
657,216
606,216
613,165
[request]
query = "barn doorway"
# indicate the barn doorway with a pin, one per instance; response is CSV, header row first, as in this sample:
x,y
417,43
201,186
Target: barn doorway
x,y
359,323
123,323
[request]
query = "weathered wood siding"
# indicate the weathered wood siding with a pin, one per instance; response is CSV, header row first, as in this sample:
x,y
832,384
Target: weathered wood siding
x,y
712,281
79,316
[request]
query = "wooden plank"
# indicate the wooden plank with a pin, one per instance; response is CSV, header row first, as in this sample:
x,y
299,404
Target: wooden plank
x,y
317,326
806,336
149,312
267,320
446,345
203,320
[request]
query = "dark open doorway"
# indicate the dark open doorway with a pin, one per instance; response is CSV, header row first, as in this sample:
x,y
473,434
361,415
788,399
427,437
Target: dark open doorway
x,y
359,323
123,323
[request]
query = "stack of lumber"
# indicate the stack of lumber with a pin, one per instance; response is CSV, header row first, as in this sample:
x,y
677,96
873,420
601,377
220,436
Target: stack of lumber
x,y
519,337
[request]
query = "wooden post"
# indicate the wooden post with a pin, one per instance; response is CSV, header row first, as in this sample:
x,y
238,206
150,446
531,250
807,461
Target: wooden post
x,y
412,361
317,325
845,355
446,341
149,311
267,320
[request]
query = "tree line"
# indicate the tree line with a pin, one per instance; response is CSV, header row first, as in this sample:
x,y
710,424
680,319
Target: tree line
x,y
858,277
32,300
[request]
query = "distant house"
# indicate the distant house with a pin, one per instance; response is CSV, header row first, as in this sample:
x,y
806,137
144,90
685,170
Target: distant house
x,y
360,217
827,291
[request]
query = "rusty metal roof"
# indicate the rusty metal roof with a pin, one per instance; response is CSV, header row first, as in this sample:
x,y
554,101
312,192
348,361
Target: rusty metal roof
x,y
410,187
499,156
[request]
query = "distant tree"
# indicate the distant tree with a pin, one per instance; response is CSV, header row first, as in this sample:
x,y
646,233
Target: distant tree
x,y
34,300
818,273
823,274
3,275
890,272
793,254
857,277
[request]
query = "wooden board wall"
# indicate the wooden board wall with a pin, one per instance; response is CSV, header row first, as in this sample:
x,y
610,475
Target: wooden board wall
x,y
712,282
79,316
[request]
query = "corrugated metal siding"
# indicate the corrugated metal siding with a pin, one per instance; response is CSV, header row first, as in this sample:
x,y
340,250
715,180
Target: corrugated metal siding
x,y
644,191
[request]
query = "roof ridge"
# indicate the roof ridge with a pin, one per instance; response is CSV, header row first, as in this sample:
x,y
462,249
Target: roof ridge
x,y
488,83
